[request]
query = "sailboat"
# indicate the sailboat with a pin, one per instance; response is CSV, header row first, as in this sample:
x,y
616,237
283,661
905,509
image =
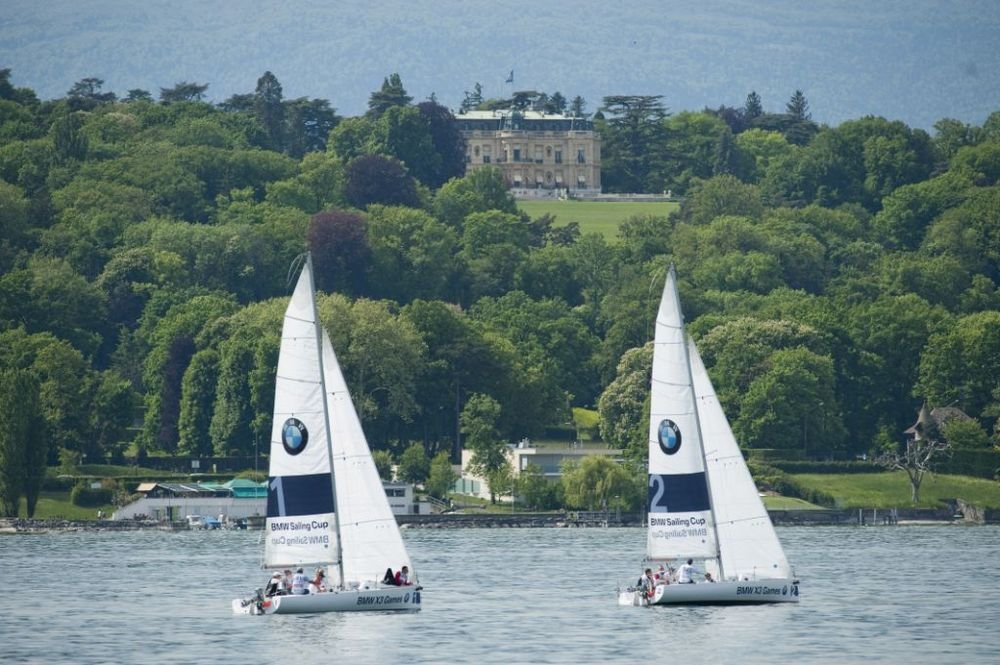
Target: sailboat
x,y
326,505
703,504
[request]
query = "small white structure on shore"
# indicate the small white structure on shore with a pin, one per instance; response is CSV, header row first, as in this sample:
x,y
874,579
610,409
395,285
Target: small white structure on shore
x,y
237,499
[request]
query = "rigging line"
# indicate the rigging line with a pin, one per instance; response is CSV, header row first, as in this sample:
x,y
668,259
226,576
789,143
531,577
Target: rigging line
x,y
295,267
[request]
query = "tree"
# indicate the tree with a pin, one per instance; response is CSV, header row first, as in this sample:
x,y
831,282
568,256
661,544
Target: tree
x,y
577,107
19,420
404,133
634,140
442,476
112,412
798,107
597,483
383,463
86,94
965,434
198,389
489,452
391,94
414,465
917,456
493,245
473,99
447,141
308,125
481,190
232,415
138,95
35,437
536,491
378,179
962,363
339,243
269,111
622,404
792,405
413,255
68,138
183,92
753,108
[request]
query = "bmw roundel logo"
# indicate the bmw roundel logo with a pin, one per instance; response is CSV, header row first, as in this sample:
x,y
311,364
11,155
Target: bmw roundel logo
x,y
294,436
669,436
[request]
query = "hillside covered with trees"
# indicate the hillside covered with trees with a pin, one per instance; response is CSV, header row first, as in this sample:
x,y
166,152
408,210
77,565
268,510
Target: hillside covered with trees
x,y
835,277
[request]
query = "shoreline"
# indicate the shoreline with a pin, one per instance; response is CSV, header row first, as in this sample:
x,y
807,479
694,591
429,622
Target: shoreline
x,y
569,520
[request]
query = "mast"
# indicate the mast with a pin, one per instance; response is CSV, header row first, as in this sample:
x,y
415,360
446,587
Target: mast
x,y
338,555
697,422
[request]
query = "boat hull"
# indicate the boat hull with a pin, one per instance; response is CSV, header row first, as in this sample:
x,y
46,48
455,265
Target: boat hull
x,y
406,599
719,593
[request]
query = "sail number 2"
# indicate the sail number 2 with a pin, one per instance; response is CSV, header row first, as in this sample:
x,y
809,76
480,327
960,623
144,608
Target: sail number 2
x,y
657,494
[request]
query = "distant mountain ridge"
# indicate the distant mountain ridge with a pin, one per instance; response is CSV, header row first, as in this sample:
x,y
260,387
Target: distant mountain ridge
x,y
917,61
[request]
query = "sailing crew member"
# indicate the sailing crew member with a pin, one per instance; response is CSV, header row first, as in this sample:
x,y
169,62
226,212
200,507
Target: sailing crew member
x,y
318,584
687,572
300,583
403,577
275,586
647,584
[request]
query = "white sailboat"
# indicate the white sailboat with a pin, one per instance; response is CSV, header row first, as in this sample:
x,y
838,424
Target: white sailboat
x,y
326,505
703,504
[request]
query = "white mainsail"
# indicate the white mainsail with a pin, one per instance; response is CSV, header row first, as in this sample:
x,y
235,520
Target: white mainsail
x,y
679,517
368,528
748,544
301,523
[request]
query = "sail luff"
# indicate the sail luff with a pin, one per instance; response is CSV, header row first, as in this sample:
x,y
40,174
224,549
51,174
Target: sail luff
x,y
338,568
301,514
679,517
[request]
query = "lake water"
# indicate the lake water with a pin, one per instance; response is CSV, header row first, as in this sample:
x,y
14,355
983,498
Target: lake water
x,y
922,594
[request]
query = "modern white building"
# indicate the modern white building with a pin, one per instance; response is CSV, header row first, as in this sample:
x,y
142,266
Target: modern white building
x,y
549,458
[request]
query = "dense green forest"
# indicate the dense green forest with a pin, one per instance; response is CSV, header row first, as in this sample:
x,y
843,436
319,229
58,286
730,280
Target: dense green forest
x,y
835,277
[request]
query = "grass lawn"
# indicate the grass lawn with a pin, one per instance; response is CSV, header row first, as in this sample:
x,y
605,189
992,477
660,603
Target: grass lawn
x,y
602,217
788,503
892,490
56,505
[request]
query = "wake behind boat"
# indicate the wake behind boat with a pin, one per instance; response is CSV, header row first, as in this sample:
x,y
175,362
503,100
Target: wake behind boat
x,y
703,504
326,505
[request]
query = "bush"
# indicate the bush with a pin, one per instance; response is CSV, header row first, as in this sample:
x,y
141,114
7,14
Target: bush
x,y
795,466
84,496
971,462
774,479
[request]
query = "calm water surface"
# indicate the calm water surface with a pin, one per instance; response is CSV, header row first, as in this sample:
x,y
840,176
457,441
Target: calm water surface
x,y
924,594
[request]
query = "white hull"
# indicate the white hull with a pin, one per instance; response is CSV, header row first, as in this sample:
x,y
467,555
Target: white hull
x,y
719,593
382,599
